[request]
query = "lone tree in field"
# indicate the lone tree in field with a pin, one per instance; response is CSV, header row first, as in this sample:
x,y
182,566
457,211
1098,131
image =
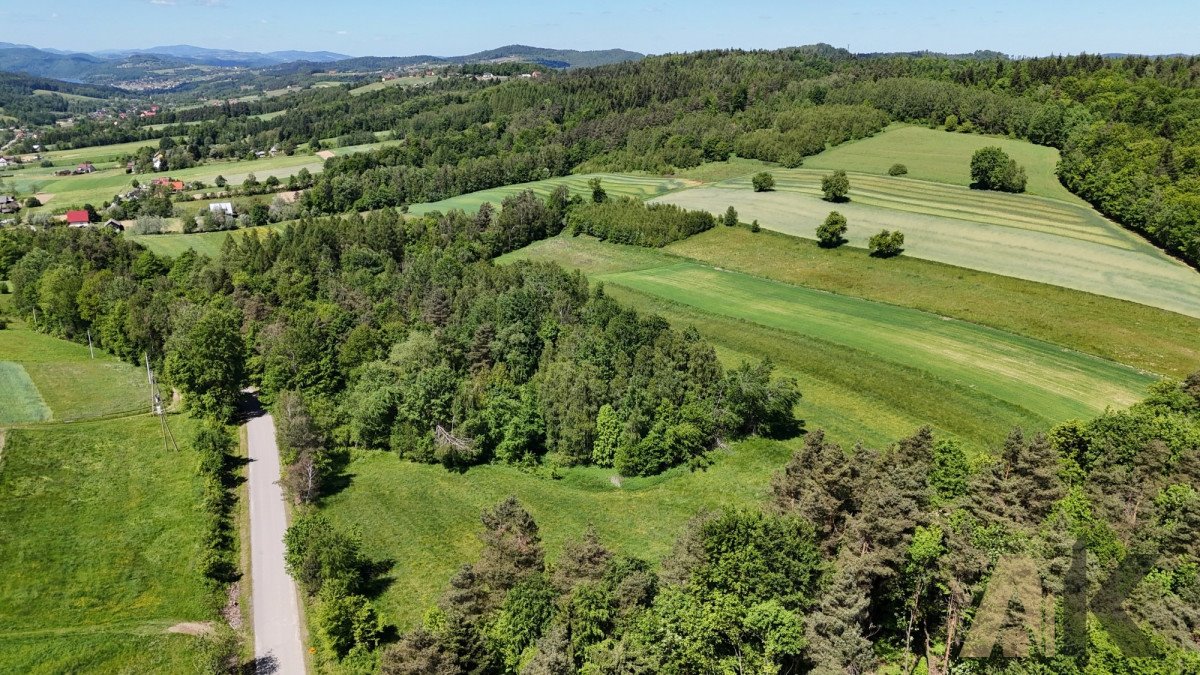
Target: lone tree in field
x,y
993,169
731,217
763,182
897,170
832,232
599,196
835,186
886,244
755,227
220,181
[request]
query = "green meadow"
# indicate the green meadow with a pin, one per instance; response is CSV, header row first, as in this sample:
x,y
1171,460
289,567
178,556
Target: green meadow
x,y
60,378
207,243
425,518
1023,236
101,531
615,184
1145,337
942,157
986,380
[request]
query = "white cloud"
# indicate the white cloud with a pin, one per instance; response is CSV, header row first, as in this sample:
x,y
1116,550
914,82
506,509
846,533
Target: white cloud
x,y
162,2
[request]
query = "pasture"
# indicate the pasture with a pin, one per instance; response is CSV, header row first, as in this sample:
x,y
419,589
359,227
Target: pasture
x,y
1032,238
942,157
61,382
615,184
100,534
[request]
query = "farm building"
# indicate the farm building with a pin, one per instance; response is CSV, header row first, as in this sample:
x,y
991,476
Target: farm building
x,y
86,167
222,207
77,218
8,204
115,226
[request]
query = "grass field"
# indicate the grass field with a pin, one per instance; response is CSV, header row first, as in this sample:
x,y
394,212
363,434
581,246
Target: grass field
x,y
96,154
615,184
1032,238
20,401
425,518
410,81
208,243
99,532
962,378
1145,337
943,157
70,383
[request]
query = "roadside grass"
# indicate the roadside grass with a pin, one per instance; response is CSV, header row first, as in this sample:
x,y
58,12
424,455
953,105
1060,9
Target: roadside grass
x,y
1019,236
425,518
1145,337
100,530
73,385
615,184
1041,379
20,401
943,157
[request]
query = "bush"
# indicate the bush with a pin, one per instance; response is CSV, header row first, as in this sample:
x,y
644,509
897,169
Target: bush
x,y
46,164
835,186
731,217
754,227
763,182
898,170
32,203
832,232
150,225
886,244
993,169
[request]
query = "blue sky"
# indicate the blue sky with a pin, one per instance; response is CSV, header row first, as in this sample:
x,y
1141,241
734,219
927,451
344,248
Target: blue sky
x,y
361,27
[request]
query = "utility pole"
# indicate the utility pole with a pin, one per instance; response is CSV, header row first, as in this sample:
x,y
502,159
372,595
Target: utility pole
x,y
156,406
91,350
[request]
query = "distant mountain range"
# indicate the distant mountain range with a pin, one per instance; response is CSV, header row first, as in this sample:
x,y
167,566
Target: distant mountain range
x,y
128,64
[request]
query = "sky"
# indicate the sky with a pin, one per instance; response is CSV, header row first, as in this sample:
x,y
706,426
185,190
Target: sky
x,y
449,28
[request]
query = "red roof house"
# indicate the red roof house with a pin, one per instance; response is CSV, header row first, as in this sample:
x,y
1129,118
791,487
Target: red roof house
x,y
77,218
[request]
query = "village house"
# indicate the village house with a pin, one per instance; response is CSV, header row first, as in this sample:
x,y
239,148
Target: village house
x,y
8,204
77,218
86,167
114,225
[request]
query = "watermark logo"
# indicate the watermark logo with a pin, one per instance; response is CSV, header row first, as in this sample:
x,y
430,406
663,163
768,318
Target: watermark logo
x,y
1016,619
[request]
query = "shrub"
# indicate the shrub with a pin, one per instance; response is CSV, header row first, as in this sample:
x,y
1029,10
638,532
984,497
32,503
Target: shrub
x,y
831,233
754,227
731,217
33,203
897,170
763,182
886,244
835,186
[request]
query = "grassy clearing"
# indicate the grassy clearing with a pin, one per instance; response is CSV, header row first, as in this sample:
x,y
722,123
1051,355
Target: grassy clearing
x,y
615,184
207,243
1144,337
20,401
1013,377
73,385
734,167
408,81
425,518
99,533
1020,236
942,157
97,153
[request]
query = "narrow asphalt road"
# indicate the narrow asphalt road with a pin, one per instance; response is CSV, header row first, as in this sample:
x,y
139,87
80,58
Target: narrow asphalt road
x,y
278,647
